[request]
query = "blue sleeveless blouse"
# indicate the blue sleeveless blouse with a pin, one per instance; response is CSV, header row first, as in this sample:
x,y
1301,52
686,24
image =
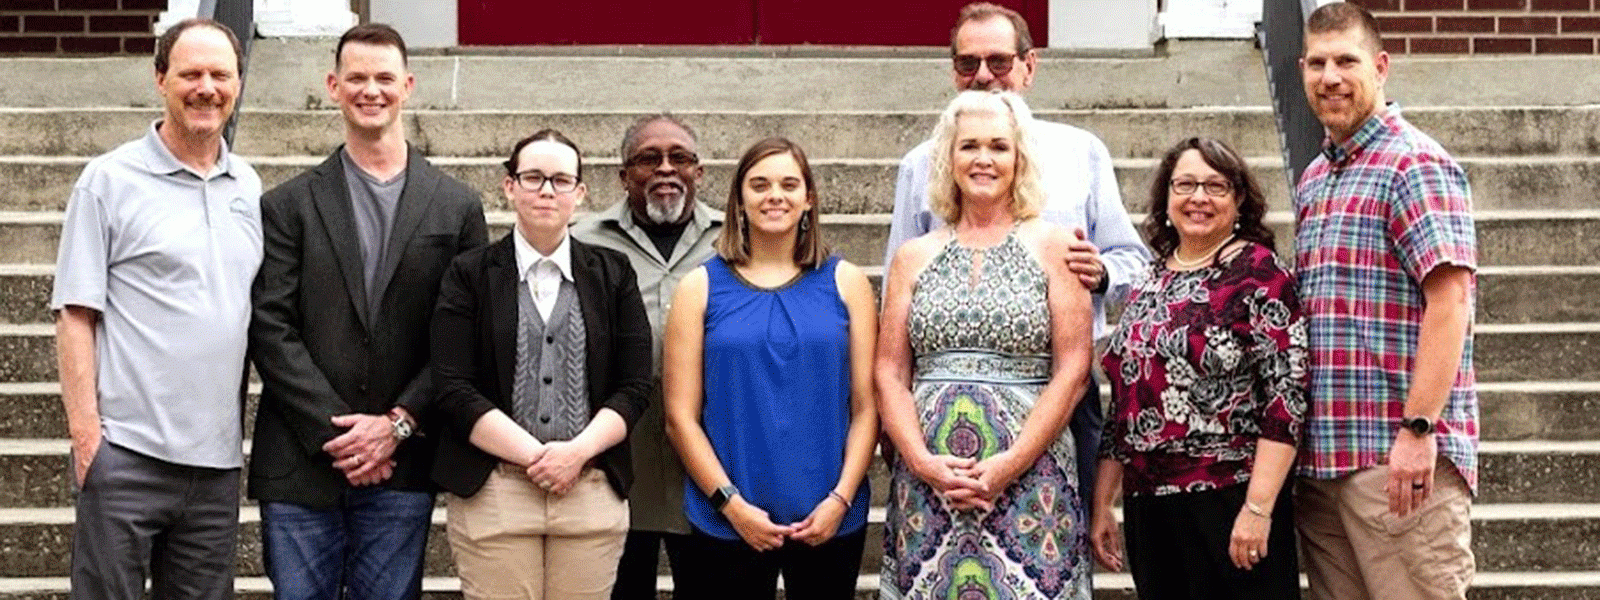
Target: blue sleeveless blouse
x,y
777,396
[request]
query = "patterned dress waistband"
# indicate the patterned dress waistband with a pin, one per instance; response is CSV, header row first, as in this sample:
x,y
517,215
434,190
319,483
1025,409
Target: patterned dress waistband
x,y
983,366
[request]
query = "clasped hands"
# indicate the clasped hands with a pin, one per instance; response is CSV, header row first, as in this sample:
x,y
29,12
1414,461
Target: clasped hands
x,y
966,483
756,528
364,452
555,466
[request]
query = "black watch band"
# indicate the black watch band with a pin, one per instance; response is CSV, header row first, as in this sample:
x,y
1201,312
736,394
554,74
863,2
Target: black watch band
x,y
722,495
1418,425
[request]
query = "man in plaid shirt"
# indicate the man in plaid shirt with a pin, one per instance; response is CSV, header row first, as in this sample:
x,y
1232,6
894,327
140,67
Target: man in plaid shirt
x,y
1386,253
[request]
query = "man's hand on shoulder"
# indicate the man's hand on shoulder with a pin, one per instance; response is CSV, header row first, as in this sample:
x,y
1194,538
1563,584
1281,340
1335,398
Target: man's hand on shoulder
x,y
1083,259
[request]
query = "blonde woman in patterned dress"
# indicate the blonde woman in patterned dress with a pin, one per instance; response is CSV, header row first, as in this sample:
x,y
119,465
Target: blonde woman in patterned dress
x,y
983,353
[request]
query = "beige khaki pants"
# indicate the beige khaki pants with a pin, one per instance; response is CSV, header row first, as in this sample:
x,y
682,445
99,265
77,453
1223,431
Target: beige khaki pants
x,y
514,540
1356,549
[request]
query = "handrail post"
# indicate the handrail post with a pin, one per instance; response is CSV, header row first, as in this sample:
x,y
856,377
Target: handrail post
x,y
238,15
1281,37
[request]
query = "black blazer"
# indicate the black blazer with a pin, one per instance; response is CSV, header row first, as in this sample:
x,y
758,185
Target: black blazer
x,y
320,350
475,354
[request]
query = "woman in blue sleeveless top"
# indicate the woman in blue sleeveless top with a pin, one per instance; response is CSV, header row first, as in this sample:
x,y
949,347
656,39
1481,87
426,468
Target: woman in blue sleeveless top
x,y
769,398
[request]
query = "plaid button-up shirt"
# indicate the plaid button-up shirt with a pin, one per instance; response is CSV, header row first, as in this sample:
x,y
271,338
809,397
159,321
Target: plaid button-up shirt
x,y
1375,215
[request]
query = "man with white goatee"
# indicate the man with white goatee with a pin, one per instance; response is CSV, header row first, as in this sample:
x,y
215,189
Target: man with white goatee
x,y
666,232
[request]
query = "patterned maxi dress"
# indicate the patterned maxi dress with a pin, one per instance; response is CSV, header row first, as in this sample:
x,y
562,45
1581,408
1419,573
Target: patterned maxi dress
x,y
980,331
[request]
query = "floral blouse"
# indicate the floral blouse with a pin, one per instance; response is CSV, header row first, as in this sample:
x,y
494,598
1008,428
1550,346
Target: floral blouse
x,y
1203,363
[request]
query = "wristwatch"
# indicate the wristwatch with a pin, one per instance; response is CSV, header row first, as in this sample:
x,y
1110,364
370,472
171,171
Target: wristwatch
x,y
1418,425
722,495
402,427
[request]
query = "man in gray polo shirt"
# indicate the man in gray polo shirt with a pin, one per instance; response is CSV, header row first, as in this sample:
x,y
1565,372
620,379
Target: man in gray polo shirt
x,y
161,240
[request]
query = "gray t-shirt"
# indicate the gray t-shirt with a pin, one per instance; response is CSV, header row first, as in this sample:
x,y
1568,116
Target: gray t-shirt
x,y
373,203
167,256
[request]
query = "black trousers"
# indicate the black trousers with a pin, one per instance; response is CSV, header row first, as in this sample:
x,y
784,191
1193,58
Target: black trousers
x,y
1088,419
716,569
1178,548
636,572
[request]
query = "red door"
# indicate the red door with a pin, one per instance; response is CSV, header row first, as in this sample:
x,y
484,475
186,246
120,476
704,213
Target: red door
x,y
876,22
655,22
517,22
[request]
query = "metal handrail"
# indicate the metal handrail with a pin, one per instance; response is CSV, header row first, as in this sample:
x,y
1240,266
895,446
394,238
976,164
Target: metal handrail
x,y
1281,37
238,15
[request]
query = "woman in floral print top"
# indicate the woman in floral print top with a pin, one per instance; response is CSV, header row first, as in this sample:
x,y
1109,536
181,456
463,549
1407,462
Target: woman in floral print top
x,y
1208,376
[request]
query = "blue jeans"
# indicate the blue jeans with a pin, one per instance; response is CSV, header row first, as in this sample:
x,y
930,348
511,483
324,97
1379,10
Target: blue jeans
x,y
371,548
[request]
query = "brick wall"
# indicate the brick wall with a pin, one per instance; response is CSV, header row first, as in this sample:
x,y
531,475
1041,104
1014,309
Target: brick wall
x,y
1488,26
45,27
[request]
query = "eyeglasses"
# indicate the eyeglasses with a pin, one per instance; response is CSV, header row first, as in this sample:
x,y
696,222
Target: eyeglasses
x,y
999,64
1215,189
561,183
649,159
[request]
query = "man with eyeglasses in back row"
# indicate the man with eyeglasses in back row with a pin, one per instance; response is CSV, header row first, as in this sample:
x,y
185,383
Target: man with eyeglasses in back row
x,y
991,49
666,232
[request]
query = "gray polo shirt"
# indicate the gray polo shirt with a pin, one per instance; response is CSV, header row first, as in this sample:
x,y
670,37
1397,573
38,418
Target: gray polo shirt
x,y
167,256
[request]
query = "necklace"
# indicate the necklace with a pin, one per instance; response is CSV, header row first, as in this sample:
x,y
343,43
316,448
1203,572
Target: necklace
x,y
1203,258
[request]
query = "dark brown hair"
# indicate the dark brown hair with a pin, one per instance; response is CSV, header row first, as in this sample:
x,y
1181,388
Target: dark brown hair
x,y
734,243
1252,203
983,11
1343,16
169,38
376,34
546,134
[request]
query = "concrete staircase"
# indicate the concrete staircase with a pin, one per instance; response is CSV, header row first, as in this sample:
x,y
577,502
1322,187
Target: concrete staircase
x,y
1531,151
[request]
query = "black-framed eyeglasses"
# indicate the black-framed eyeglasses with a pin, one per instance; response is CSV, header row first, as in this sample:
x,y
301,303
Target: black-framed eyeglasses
x,y
649,159
1214,189
999,64
561,183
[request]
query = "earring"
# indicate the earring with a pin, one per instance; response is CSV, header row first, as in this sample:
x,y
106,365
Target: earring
x,y
1235,225
1166,221
805,221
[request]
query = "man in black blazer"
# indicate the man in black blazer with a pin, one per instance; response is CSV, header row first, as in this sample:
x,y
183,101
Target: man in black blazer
x,y
543,365
355,249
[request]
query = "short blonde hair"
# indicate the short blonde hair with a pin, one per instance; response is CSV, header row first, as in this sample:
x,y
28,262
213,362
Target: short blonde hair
x,y
944,197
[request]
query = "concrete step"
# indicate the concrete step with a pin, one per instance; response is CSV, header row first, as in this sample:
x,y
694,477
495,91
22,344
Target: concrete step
x,y
1506,537
1505,238
288,74
1520,352
1502,585
863,185
1127,133
33,472
1557,411
1505,294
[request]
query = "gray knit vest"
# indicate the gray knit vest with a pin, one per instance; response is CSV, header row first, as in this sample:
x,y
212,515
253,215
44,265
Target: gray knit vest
x,y
551,392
